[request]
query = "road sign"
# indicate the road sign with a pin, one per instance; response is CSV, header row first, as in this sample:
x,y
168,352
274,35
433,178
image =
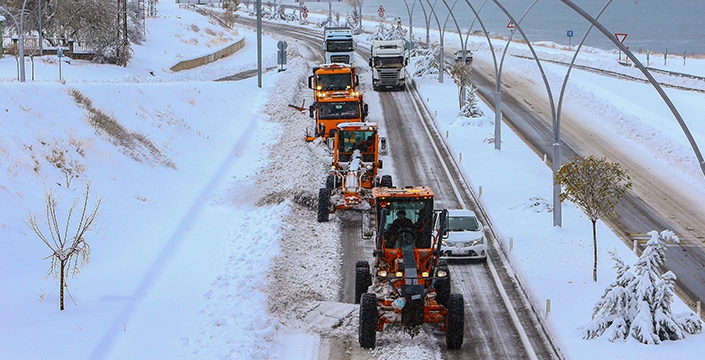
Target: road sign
x,y
281,45
569,33
621,37
511,25
380,11
304,12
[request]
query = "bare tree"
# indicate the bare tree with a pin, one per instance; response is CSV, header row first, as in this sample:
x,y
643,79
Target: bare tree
x,y
69,249
595,186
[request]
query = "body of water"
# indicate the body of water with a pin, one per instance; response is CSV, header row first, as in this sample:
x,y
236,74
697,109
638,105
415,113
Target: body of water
x,y
656,25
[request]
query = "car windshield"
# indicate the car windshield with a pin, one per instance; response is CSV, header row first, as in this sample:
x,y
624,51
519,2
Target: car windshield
x,y
329,82
339,110
463,223
388,62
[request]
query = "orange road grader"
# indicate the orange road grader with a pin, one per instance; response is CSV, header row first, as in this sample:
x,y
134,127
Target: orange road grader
x,y
357,148
408,285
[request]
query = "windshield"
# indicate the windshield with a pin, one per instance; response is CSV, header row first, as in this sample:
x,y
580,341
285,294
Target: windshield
x,y
463,223
340,45
328,82
389,62
357,140
408,215
339,110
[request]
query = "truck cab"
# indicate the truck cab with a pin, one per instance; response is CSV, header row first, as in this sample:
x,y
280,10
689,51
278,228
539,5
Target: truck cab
x,y
388,61
331,78
339,45
333,108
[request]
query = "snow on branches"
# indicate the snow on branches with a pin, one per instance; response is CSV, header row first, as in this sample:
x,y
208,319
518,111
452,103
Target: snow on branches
x,y
639,302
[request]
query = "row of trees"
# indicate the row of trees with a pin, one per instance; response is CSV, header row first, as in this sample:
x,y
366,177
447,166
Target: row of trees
x,y
94,23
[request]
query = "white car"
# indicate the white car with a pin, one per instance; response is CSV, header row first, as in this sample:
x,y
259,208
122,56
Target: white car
x,y
459,56
464,238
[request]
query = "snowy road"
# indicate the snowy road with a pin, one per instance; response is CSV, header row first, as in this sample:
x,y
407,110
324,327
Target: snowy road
x,y
418,157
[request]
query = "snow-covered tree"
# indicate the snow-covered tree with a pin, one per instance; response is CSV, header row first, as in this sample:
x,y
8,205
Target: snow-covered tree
x,y
385,31
428,62
470,107
639,302
595,186
69,249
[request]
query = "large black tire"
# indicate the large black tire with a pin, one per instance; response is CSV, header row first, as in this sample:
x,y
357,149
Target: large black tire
x,y
330,182
386,181
456,321
368,321
363,280
443,286
323,204
364,264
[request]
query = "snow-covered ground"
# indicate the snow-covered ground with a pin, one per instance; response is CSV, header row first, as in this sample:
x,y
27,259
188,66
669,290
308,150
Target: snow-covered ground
x,y
207,246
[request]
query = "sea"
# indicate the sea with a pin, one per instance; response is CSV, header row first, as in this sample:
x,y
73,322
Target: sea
x,y
659,26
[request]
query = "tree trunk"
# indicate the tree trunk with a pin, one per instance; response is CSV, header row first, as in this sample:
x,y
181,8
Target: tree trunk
x,y
594,246
62,281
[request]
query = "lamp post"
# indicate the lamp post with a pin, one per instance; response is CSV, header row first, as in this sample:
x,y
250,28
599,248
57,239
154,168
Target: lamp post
x,y
20,43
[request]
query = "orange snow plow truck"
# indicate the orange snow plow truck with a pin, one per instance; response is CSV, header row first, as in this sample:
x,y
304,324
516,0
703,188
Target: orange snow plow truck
x,y
409,285
357,148
335,99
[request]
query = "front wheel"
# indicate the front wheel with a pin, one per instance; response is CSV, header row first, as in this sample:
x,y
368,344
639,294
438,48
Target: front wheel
x,y
323,204
368,321
456,321
363,280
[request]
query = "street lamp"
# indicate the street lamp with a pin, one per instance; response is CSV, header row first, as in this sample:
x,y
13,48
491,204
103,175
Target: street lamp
x,y
20,45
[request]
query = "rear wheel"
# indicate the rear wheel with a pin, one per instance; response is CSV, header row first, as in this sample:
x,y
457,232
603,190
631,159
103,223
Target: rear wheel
x,y
456,321
368,321
443,285
323,204
363,280
386,181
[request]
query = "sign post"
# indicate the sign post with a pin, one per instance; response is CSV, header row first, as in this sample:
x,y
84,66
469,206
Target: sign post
x,y
621,38
59,54
281,55
304,11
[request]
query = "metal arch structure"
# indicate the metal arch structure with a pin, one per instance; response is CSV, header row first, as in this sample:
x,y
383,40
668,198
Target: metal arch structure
x,y
497,93
648,76
411,17
441,30
557,220
472,24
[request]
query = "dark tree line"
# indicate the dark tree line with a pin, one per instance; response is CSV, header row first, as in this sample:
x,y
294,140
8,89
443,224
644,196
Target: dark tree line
x,y
92,23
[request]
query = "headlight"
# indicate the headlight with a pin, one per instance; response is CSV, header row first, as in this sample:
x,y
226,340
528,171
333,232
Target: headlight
x,y
424,274
442,273
400,274
382,273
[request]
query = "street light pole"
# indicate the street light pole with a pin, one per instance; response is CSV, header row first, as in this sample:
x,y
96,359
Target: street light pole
x,y
20,44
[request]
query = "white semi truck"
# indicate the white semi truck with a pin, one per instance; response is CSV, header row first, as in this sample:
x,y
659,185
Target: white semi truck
x,y
339,45
389,58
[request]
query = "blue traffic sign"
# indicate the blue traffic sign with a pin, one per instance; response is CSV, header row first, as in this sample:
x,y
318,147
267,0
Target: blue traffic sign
x,y
570,33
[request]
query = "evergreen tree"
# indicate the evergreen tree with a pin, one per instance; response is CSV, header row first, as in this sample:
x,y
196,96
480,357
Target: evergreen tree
x,y
639,302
